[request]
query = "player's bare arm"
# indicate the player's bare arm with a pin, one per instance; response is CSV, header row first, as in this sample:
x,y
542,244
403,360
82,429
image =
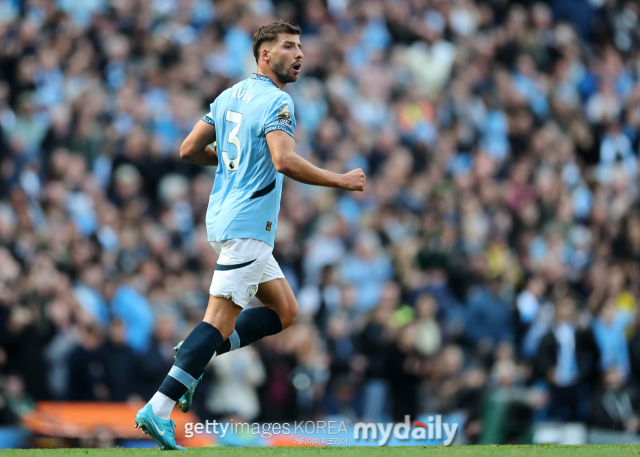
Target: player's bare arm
x,y
282,147
196,147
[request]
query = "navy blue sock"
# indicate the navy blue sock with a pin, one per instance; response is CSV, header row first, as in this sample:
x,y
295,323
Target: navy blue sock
x,y
251,325
194,355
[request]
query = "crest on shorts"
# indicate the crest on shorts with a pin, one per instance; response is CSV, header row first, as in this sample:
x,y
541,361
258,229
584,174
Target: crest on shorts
x,y
251,291
284,112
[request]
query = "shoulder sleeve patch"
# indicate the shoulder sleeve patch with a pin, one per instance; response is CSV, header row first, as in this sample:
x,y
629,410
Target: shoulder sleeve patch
x,y
280,116
284,112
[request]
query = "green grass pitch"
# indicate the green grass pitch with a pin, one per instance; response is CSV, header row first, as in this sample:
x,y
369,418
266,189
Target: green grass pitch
x,y
455,451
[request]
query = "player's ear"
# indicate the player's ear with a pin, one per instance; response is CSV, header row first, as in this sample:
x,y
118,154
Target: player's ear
x,y
264,54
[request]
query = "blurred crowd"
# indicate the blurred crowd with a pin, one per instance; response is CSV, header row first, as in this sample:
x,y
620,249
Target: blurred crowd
x,y
489,268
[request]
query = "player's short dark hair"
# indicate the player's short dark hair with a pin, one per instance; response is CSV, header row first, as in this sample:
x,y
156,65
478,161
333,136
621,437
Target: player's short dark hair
x,y
268,33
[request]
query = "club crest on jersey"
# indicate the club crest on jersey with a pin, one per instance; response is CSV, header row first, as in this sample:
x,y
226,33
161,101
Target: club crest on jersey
x,y
284,112
251,291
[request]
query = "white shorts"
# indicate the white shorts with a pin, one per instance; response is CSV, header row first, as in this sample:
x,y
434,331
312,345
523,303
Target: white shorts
x,y
243,265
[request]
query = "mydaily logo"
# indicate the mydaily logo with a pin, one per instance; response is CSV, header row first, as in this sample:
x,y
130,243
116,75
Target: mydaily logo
x,y
433,429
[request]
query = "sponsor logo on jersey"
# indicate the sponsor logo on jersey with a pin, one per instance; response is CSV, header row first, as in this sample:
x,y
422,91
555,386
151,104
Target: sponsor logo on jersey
x,y
269,226
286,122
284,112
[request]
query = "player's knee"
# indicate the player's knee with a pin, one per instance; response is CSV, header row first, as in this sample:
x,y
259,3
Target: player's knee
x,y
288,315
222,313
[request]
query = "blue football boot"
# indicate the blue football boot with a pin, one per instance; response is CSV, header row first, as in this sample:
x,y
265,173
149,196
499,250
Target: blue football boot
x,y
162,431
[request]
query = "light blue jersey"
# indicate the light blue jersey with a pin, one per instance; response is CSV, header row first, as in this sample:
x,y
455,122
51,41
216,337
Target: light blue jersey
x,y
245,199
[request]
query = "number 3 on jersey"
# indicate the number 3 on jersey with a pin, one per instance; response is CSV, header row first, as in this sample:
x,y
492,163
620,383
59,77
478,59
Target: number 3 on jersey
x,y
236,118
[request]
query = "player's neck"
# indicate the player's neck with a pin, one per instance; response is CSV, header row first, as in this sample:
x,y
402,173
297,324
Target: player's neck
x,y
271,75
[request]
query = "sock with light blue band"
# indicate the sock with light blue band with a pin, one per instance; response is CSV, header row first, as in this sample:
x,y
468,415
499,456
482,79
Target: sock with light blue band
x,y
251,325
182,376
193,356
234,340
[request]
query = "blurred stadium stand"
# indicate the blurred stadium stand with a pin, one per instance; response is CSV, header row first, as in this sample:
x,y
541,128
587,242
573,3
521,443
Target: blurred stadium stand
x,y
490,269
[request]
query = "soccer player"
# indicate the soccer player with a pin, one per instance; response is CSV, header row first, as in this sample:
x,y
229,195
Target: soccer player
x,y
254,124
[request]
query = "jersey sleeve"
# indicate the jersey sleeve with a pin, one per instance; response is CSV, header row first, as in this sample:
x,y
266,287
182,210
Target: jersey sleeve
x,y
208,118
280,116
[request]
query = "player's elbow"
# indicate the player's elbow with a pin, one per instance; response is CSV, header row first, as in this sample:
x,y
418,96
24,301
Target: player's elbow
x,y
282,165
186,150
282,168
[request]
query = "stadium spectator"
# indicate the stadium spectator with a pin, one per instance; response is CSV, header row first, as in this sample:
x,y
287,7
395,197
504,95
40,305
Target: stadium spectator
x,y
568,359
237,379
615,405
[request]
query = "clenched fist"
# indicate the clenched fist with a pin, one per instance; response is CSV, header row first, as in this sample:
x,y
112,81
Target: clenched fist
x,y
354,180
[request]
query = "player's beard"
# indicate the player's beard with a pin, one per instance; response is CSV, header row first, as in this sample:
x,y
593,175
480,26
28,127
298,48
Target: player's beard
x,y
284,73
